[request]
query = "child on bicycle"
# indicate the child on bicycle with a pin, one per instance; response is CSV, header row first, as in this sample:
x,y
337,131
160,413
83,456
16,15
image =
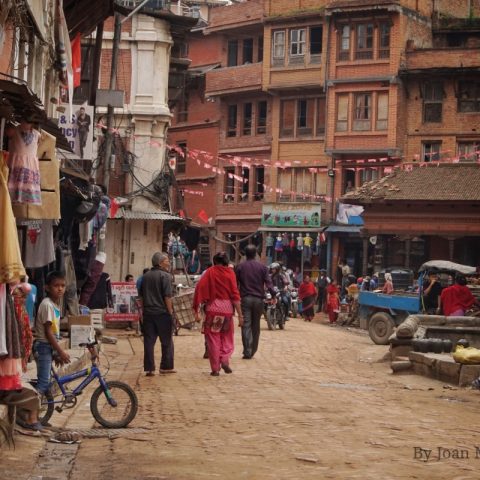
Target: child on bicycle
x,y
47,330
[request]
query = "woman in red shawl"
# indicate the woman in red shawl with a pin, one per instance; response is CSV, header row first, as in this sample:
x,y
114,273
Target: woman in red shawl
x,y
333,301
217,291
457,299
307,294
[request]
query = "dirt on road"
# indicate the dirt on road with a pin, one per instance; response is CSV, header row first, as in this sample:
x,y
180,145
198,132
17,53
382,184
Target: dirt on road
x,y
314,403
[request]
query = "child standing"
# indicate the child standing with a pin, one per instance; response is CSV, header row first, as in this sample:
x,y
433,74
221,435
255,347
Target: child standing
x,y
47,330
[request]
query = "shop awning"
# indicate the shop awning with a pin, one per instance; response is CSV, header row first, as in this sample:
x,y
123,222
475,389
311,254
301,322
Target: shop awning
x,y
18,101
342,229
83,17
134,215
291,229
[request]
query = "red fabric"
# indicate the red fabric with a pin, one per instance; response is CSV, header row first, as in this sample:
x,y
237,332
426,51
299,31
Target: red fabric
x,y
333,302
13,382
76,60
456,297
113,207
306,290
218,282
220,346
202,215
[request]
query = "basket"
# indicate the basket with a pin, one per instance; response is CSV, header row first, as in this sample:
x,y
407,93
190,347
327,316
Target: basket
x,y
183,308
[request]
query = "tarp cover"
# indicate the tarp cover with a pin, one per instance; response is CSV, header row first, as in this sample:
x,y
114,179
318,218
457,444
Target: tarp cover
x,y
446,265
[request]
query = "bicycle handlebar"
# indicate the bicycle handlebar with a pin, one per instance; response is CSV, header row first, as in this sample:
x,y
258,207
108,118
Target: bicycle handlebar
x,y
89,344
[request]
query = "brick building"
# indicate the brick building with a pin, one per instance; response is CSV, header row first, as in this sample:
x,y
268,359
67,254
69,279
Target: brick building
x,y
329,95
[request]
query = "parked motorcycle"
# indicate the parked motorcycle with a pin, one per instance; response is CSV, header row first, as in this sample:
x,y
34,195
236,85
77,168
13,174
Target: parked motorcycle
x,y
274,310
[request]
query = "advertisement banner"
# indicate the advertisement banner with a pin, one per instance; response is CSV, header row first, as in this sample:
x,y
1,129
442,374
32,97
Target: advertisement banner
x,y
291,215
78,130
124,303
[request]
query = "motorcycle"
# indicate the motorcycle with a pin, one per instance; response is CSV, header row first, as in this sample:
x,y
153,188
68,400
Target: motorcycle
x,y
294,302
274,310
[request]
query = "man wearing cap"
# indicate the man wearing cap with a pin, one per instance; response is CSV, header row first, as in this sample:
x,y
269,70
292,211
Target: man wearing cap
x,y
156,299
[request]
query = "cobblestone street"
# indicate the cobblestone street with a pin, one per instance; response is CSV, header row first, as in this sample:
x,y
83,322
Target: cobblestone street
x,y
314,403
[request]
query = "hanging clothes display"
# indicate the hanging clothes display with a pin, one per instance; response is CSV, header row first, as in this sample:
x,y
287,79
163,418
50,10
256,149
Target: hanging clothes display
x,y
11,265
307,244
11,364
24,178
39,244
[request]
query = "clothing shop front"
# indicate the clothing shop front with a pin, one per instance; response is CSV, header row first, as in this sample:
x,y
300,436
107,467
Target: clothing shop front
x,y
293,235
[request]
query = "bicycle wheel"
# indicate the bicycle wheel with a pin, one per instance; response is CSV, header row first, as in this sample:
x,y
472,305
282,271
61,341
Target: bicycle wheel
x,y
120,415
45,412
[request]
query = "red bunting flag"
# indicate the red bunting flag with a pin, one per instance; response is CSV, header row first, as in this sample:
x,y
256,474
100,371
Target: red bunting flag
x,y
202,215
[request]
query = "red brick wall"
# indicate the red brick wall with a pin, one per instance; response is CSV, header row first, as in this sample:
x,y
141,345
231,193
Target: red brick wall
x,y
110,22
203,138
230,15
204,49
279,7
124,71
454,126
242,77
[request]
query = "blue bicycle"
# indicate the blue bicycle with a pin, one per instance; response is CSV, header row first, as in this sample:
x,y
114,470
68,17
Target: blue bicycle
x,y
113,404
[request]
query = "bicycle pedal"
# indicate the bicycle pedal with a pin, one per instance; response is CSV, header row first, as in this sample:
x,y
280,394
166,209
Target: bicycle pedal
x,y
59,409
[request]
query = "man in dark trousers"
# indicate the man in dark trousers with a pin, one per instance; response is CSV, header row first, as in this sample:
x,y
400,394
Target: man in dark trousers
x,y
253,278
156,300
83,124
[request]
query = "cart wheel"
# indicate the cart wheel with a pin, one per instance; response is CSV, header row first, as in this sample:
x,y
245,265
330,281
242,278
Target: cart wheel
x,y
380,327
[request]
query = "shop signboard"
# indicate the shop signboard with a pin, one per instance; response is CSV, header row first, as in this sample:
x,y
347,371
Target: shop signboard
x,y
124,303
78,130
299,215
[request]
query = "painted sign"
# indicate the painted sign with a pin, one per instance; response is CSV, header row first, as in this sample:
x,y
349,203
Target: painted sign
x,y
124,303
291,215
78,130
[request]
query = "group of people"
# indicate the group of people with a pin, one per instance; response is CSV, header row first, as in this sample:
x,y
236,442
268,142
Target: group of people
x,y
222,292
452,301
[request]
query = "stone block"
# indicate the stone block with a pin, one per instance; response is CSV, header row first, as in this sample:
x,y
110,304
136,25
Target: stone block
x,y
447,371
400,351
468,373
422,358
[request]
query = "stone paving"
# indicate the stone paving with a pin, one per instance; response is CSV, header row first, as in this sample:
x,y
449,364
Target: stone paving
x,y
314,403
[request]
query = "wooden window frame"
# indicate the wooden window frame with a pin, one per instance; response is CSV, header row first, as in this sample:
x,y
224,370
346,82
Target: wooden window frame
x,y
278,60
362,114
433,94
261,122
364,53
344,54
232,127
428,155
228,185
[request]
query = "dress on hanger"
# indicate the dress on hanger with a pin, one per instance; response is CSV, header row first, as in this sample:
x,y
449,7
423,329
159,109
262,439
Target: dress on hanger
x,y
24,179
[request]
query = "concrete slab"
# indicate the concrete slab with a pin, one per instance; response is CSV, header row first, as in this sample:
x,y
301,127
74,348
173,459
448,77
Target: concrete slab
x,y
468,373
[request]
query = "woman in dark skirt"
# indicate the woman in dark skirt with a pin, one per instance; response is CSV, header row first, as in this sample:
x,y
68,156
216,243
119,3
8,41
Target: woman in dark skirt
x,y
307,294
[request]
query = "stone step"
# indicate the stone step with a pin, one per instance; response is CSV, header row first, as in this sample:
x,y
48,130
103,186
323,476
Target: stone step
x,y
442,366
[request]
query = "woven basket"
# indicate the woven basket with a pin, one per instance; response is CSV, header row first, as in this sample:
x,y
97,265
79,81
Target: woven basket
x,y
183,308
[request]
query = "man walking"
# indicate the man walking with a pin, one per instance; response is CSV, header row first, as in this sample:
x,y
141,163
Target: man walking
x,y
252,278
322,284
156,299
